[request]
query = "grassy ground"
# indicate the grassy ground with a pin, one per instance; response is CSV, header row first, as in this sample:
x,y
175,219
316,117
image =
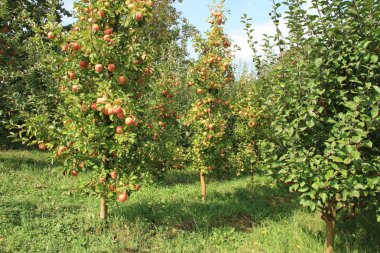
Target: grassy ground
x,y
39,212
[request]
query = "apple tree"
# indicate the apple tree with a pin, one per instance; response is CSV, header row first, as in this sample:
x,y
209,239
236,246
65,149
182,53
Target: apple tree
x,y
104,72
208,117
324,107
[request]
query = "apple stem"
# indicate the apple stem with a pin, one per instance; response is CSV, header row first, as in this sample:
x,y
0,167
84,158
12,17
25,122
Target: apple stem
x,y
103,208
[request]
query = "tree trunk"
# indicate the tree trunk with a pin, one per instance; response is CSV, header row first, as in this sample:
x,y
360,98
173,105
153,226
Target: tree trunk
x,y
330,226
251,173
103,208
203,186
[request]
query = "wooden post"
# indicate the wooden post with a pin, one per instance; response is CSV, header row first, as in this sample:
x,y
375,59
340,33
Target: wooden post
x,y
203,186
330,226
103,208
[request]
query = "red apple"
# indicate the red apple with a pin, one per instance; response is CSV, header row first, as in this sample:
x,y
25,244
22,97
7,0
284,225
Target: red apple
x,y
101,13
83,64
119,129
117,110
129,121
113,174
71,75
74,173
95,27
51,36
122,80
76,46
139,17
199,91
94,107
108,31
107,37
112,187
111,67
123,197
42,146
64,47
120,115
75,88
137,187
99,68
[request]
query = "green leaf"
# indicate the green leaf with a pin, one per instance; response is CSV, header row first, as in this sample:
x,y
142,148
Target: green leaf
x,y
323,196
374,58
375,112
342,78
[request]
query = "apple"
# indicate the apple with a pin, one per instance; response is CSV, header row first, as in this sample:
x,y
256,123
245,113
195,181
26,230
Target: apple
x,y
64,47
76,46
119,129
101,13
75,88
42,146
101,100
74,173
107,37
139,17
129,121
137,187
120,115
111,67
112,187
99,68
164,92
83,64
117,110
123,197
95,27
199,91
113,174
108,31
6,29
61,149
51,36
94,107
71,75
131,6
122,80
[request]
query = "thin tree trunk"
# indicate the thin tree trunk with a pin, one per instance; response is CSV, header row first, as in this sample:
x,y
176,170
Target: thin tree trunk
x,y
103,208
251,173
203,186
330,226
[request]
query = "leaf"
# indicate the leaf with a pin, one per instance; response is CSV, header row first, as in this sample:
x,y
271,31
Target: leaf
x,y
323,196
375,112
329,174
355,194
342,78
374,58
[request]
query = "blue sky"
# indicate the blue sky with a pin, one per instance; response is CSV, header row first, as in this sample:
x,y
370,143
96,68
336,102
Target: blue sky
x,y
197,12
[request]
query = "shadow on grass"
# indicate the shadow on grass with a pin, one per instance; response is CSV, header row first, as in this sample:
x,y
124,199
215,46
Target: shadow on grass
x,y
185,177
242,209
18,160
13,213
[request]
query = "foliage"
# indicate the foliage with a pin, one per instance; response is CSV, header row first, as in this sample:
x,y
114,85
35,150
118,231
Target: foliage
x,y
324,104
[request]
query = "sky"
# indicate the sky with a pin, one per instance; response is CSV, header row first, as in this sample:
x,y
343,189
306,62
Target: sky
x,y
197,13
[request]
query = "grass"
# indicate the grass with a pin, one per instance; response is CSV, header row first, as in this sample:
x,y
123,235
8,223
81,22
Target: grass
x,y
40,212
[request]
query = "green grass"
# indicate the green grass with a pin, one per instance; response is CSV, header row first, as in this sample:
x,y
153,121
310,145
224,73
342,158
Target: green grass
x,y
40,211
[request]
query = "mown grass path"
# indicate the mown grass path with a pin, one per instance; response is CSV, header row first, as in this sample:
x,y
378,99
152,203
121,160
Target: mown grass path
x,y
41,211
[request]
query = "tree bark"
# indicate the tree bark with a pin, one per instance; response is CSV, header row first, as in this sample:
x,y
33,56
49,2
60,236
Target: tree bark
x,y
330,226
203,186
103,208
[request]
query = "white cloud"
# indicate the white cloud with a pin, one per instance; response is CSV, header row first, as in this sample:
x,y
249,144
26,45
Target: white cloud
x,y
240,39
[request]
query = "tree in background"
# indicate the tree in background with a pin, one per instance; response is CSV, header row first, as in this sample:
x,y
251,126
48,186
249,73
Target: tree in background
x,y
25,81
208,117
